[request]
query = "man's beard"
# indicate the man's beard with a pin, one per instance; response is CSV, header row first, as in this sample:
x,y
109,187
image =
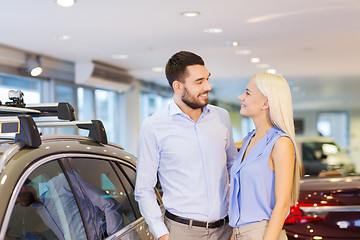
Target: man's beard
x,y
191,101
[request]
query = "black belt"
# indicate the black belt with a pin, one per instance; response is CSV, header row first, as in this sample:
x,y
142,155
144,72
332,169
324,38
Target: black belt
x,y
215,224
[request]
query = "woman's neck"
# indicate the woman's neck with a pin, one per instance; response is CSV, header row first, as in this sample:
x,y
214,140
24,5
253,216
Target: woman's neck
x,y
262,126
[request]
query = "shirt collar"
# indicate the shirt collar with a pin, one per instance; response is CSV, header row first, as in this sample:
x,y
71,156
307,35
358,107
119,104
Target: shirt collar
x,y
174,109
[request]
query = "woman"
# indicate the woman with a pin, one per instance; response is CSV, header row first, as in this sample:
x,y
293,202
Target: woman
x,y
265,175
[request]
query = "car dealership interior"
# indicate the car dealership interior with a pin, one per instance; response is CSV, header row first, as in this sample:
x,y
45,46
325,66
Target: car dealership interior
x,y
107,59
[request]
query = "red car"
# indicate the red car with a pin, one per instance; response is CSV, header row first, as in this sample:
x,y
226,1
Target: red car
x,y
328,208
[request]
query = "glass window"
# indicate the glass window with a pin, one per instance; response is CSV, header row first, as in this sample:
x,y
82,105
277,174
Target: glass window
x,y
65,93
335,125
85,104
85,107
29,86
116,210
46,208
150,103
105,102
128,176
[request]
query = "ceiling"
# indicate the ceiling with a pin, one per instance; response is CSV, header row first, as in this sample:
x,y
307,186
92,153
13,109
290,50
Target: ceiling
x,y
314,44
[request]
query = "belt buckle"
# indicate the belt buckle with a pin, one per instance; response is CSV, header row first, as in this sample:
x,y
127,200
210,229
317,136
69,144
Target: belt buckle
x,y
207,225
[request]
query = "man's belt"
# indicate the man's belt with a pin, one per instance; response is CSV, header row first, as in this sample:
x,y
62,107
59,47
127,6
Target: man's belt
x,y
215,224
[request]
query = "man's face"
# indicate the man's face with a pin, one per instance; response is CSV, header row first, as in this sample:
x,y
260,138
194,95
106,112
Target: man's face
x,y
196,86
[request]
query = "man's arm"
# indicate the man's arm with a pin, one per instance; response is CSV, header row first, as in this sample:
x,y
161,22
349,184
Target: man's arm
x,y
146,178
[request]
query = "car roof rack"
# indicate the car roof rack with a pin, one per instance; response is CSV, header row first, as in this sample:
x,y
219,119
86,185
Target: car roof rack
x,y
28,133
26,129
95,127
62,110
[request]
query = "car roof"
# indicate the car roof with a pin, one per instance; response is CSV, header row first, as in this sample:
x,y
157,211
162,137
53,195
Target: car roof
x,y
57,144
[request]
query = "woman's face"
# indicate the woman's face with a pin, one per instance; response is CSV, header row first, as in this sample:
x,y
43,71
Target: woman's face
x,y
253,102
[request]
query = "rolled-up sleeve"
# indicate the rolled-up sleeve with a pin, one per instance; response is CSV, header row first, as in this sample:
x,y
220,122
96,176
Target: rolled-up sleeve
x,y
146,178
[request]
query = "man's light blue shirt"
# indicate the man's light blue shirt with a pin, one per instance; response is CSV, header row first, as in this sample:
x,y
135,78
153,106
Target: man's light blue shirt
x,y
193,160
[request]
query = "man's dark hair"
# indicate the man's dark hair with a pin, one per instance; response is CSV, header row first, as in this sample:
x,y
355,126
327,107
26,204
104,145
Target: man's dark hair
x,y
176,66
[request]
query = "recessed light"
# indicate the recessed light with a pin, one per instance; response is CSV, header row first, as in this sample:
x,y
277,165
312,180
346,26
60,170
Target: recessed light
x,y
231,43
190,14
262,65
62,37
271,70
158,69
65,3
243,52
213,30
255,60
120,56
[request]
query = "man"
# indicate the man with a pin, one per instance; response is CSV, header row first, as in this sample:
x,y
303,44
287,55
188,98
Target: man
x,y
189,144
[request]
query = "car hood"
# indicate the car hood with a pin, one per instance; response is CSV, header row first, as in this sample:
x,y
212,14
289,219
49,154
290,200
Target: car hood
x,y
339,190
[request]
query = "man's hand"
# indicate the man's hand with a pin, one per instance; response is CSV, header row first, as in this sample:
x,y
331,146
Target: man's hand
x,y
164,237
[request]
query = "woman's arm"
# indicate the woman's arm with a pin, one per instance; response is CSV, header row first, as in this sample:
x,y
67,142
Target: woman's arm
x,y
282,161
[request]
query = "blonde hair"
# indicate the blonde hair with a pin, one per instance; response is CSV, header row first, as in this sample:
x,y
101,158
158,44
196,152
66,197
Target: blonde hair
x,y
277,91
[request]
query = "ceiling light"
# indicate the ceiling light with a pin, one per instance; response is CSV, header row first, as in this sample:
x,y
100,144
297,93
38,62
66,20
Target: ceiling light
x,y
62,37
262,65
255,60
65,3
243,52
34,66
231,43
190,14
120,56
271,70
213,30
158,69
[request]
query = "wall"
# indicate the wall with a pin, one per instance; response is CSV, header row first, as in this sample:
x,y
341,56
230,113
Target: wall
x,y
132,118
309,118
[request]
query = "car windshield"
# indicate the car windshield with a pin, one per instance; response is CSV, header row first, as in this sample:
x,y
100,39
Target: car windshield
x,y
319,148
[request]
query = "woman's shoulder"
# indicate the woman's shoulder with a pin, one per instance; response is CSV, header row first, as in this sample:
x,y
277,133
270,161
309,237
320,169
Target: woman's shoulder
x,y
281,140
275,133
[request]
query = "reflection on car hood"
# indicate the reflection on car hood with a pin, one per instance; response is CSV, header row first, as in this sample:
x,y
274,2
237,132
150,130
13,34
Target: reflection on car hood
x,y
332,183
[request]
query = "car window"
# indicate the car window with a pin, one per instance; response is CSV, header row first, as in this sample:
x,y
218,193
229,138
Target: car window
x,y
46,207
115,205
308,153
128,176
